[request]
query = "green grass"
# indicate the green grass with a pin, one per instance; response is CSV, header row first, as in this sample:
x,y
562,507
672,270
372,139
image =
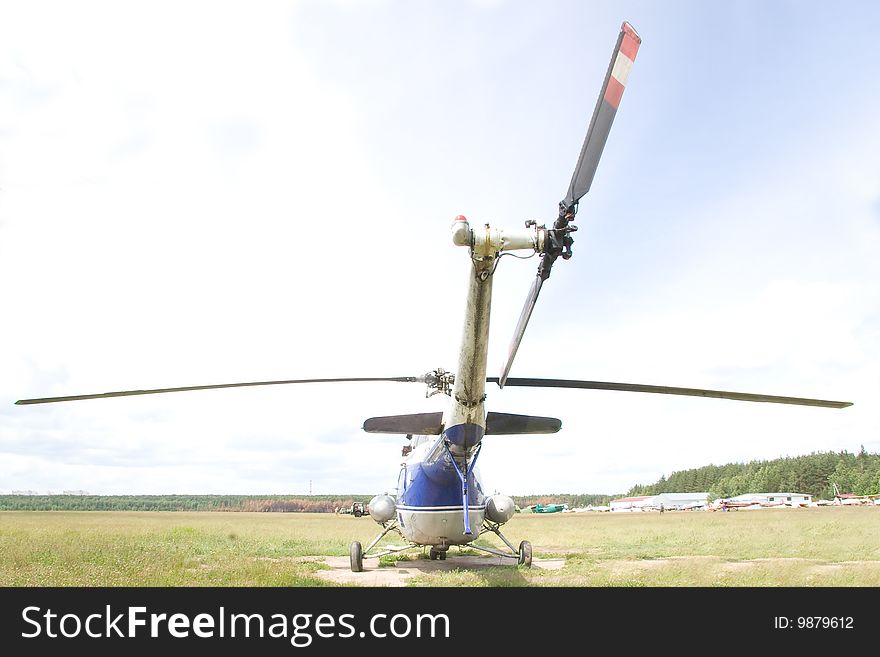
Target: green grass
x,y
167,549
792,547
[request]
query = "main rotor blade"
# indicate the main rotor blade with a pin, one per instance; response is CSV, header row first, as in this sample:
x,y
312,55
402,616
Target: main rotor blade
x,y
524,316
558,240
606,107
668,390
155,391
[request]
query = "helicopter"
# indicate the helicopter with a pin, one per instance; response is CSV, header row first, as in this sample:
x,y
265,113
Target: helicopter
x,y
440,500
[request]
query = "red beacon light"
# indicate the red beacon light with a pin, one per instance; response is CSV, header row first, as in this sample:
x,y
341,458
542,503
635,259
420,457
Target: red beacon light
x,y
461,231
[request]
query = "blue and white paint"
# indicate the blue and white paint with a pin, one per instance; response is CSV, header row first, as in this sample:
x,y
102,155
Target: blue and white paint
x,y
430,503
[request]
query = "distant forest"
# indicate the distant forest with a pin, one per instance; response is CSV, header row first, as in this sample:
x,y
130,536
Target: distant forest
x,y
815,474
573,501
278,503
270,503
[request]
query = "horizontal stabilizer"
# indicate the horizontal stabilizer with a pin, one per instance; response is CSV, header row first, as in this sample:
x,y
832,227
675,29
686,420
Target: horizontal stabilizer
x,y
422,424
508,423
431,424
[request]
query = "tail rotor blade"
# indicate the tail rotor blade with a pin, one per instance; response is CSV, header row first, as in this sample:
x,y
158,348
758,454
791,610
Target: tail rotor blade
x,y
155,391
606,108
524,316
669,390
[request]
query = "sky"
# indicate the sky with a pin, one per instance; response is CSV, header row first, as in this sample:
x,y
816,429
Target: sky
x,y
207,192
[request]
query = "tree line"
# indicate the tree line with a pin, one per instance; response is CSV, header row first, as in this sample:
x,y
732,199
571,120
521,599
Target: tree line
x,y
267,503
814,474
573,501
254,503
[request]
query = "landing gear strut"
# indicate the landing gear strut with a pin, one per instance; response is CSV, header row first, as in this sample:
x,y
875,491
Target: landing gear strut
x,y
358,554
523,555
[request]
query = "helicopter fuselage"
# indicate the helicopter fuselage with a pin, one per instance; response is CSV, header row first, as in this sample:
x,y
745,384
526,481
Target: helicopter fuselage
x,y
430,509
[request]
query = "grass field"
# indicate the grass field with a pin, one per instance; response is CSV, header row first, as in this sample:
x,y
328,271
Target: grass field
x,y
779,547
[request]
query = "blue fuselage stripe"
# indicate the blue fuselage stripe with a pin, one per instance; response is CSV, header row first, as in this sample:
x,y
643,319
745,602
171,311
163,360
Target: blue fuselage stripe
x,y
439,509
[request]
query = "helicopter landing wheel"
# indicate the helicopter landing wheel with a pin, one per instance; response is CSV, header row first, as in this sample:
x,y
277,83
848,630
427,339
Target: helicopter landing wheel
x,y
357,557
437,554
525,554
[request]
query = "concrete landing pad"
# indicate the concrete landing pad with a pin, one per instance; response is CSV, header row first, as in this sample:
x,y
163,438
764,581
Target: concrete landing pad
x,y
399,573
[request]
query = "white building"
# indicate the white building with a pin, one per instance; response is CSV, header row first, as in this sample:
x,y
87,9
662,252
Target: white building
x,y
667,501
640,503
774,499
681,501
